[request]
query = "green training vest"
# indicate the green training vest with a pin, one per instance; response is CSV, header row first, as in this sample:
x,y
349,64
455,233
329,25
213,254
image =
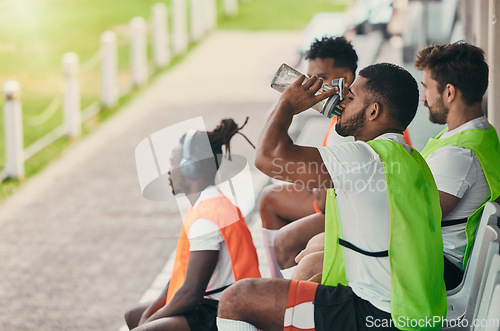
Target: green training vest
x,y
418,293
485,144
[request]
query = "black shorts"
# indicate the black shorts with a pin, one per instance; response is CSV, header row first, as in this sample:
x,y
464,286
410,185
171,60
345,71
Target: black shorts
x,y
338,308
203,317
452,274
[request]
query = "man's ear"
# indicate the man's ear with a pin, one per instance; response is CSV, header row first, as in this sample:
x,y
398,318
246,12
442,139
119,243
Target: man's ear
x,y
449,93
373,111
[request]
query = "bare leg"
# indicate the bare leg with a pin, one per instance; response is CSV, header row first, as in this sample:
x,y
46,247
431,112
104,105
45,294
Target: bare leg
x,y
293,238
133,316
278,206
284,203
260,302
174,323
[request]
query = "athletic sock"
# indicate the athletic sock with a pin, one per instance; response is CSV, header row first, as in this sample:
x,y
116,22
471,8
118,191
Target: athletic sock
x,y
268,240
232,325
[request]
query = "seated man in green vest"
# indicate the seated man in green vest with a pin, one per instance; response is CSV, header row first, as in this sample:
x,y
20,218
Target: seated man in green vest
x,y
382,206
465,157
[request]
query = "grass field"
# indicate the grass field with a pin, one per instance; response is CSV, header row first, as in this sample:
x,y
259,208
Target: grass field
x,y
280,14
35,34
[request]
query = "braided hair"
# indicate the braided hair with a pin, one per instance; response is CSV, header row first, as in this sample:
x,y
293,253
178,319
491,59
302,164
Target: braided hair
x,y
219,137
222,134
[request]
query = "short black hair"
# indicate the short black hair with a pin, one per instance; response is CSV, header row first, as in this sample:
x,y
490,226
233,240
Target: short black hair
x,y
393,87
339,49
460,64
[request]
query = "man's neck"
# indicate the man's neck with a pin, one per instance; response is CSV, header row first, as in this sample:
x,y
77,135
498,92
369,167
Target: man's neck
x,y
460,115
193,197
193,194
367,136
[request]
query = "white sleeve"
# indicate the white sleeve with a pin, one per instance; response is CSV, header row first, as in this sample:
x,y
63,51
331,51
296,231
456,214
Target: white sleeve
x,y
204,235
452,169
349,163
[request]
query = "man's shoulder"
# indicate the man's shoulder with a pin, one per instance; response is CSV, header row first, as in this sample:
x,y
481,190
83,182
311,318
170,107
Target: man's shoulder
x,y
349,150
450,154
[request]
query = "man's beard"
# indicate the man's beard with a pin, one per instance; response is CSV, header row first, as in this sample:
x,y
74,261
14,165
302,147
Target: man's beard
x,y
438,113
353,126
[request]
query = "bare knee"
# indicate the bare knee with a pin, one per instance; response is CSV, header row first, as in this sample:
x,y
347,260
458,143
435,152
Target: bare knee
x,y
267,207
133,316
258,301
233,302
129,320
178,323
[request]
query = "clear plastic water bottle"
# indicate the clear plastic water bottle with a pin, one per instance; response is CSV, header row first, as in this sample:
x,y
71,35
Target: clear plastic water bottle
x,y
286,75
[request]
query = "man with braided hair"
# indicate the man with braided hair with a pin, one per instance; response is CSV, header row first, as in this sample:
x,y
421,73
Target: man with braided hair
x,y
215,247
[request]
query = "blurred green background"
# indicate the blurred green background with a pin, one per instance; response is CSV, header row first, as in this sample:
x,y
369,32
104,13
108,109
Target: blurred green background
x,y
35,34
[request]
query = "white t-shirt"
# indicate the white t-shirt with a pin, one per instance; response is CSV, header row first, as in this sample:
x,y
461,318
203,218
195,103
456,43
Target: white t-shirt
x,y
457,171
358,177
204,235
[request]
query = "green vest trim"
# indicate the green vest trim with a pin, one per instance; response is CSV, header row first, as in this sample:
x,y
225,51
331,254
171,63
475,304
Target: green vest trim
x,y
418,291
333,273
485,144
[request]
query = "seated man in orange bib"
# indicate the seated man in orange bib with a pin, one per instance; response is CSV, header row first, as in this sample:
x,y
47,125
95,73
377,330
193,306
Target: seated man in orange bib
x,y
215,247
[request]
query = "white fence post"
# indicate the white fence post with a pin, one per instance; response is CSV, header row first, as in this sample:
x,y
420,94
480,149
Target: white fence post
x,y
14,141
138,51
231,7
72,111
161,52
197,20
179,24
210,14
109,71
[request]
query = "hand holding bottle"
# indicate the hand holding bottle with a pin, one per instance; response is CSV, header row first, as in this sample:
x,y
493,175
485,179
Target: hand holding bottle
x,y
286,75
302,94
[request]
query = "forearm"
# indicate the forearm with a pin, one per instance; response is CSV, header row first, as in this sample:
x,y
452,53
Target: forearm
x,y
155,306
181,303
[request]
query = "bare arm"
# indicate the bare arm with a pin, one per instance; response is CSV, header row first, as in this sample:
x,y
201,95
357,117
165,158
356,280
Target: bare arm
x,y
200,268
277,156
293,238
153,308
448,202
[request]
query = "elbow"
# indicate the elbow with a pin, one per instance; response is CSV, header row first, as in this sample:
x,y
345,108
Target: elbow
x,y
263,162
272,162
